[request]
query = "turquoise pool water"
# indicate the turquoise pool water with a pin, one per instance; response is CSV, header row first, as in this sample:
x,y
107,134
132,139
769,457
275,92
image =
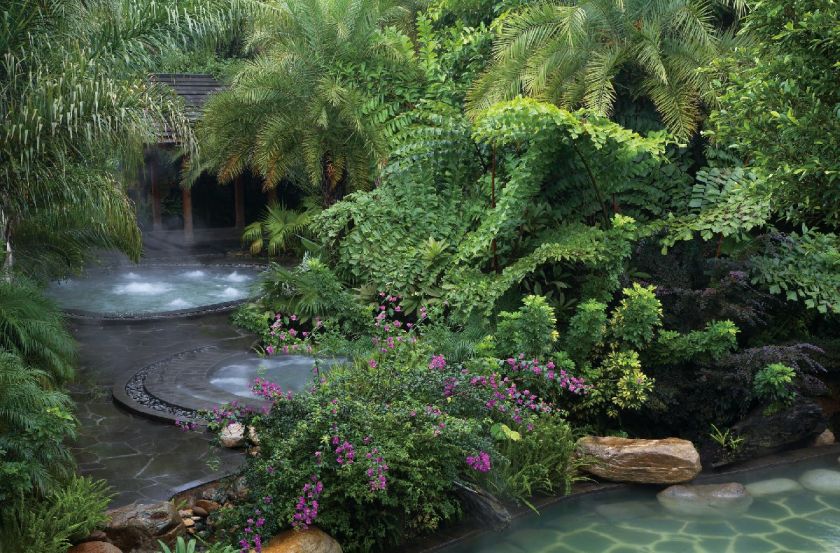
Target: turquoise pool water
x,y
143,290
800,521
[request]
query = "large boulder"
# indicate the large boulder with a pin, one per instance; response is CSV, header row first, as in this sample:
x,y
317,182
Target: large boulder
x,y
312,540
667,461
764,433
141,525
94,547
704,500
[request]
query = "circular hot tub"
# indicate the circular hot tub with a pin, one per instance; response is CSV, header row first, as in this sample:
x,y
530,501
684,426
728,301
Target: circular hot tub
x,y
155,291
178,387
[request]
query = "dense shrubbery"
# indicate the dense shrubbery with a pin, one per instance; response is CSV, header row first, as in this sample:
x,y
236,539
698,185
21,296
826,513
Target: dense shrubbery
x,y
382,440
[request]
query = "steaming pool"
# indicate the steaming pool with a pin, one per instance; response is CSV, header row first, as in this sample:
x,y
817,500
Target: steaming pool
x,y
799,520
153,289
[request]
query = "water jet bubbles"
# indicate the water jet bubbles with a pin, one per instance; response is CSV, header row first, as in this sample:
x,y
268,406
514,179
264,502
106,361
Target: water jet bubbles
x,y
231,292
142,288
179,303
236,277
131,276
195,274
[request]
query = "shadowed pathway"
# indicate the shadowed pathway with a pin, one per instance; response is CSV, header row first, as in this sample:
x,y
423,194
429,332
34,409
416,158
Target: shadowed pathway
x,y
140,458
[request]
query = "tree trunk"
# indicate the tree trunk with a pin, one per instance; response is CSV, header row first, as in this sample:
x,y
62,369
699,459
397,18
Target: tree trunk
x,y
8,258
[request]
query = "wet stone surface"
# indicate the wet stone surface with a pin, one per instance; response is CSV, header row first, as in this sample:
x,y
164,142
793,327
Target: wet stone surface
x,y
140,458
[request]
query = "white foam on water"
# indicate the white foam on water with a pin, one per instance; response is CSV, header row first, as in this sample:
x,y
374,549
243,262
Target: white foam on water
x,y
142,288
195,274
131,276
179,303
230,292
236,277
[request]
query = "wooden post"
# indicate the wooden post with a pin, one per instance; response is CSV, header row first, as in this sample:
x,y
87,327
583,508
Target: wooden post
x,y
239,202
156,211
186,195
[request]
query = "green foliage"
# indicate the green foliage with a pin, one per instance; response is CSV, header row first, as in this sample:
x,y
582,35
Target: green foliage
x,y
70,511
540,461
637,317
726,439
773,384
318,102
279,230
778,99
725,203
308,291
32,327
587,330
710,344
34,422
803,267
76,104
530,330
618,384
573,54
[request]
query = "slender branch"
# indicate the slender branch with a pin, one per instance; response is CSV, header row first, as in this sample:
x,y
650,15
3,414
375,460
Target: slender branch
x,y
595,188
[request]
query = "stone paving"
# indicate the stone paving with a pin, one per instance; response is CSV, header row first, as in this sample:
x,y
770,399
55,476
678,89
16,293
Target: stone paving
x,y
140,458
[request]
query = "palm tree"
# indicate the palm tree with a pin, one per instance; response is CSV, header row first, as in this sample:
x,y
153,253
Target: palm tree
x,y
276,231
577,52
302,110
76,109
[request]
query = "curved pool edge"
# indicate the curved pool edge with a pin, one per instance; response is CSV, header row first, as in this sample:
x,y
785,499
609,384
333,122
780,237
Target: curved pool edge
x,y
94,317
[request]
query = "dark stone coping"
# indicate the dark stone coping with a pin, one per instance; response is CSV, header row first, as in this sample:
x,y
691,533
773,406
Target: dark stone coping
x,y
93,317
165,390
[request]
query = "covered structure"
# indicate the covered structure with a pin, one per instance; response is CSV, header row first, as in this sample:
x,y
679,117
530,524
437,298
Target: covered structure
x,y
164,205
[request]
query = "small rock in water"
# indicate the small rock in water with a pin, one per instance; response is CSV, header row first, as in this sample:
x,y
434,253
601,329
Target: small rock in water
x,y
704,500
233,435
823,481
773,486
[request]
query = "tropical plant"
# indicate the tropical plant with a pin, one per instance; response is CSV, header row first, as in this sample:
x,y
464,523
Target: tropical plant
x,y
530,330
773,384
32,327
34,422
279,230
74,109
69,512
778,99
589,52
302,110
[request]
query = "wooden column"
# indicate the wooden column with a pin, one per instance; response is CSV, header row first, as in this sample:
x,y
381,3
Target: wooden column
x,y
239,202
156,211
186,195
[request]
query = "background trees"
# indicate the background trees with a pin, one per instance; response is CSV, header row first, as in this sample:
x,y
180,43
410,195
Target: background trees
x,y
315,106
588,53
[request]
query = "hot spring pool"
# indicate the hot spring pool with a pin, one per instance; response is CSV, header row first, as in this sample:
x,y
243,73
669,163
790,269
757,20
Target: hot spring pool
x,y
153,289
801,521
291,372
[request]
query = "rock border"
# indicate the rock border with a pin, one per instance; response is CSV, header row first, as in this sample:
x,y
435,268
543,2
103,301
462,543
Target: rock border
x,y
94,317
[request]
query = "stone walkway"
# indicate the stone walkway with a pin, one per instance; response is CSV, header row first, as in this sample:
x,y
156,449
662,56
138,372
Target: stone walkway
x,y
140,458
